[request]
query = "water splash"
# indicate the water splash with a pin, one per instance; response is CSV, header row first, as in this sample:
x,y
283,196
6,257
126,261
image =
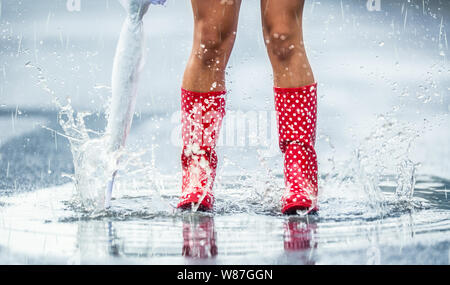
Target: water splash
x,y
406,180
381,158
93,160
355,183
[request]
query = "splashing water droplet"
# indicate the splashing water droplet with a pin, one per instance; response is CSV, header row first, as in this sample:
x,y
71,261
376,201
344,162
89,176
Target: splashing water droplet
x,y
406,180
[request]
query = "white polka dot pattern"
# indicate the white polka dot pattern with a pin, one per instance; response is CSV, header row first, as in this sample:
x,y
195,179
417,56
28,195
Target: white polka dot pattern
x,y
296,116
201,120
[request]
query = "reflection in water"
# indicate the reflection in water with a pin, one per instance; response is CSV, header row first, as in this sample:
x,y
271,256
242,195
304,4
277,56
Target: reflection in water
x,y
299,234
98,240
300,237
114,246
91,242
199,237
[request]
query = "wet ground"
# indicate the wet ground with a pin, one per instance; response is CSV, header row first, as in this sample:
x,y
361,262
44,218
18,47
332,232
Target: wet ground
x,y
47,226
383,142
42,227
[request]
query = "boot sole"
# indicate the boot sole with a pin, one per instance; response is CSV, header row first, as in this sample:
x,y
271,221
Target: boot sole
x,y
292,208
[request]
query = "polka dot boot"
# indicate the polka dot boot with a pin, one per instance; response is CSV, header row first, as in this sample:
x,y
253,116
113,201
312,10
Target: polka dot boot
x,y
296,116
202,115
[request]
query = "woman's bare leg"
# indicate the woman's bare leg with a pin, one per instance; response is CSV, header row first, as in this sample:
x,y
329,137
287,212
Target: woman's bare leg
x,y
215,24
283,35
203,98
295,102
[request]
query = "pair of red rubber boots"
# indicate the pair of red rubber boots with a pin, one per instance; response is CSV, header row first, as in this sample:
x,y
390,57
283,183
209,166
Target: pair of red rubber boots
x,y
296,112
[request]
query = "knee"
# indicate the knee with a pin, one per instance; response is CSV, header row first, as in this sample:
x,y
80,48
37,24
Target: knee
x,y
281,41
213,43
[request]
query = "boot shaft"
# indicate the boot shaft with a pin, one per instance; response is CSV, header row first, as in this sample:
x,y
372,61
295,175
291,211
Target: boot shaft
x,y
296,110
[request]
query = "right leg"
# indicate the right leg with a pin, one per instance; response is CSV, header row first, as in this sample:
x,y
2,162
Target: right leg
x,y
215,24
202,98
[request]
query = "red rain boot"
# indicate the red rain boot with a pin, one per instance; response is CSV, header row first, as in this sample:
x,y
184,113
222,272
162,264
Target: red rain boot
x,y
202,115
296,116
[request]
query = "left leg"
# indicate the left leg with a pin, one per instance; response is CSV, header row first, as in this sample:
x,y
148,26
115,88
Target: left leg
x,y
283,35
295,101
